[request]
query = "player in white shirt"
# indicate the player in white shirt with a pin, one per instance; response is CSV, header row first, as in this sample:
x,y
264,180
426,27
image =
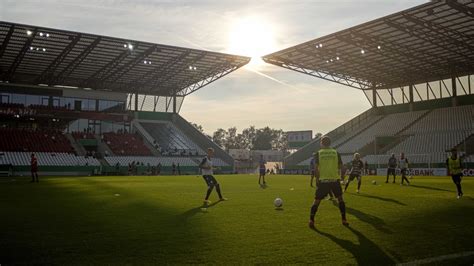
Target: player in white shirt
x,y
403,164
208,175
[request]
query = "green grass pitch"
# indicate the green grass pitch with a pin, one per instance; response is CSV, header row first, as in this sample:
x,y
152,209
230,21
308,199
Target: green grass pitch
x,y
151,220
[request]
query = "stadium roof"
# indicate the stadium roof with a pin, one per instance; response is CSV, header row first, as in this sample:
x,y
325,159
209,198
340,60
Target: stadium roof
x,y
38,55
429,42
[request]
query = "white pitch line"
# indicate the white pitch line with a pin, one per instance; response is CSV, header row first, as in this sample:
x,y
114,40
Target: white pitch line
x,y
437,259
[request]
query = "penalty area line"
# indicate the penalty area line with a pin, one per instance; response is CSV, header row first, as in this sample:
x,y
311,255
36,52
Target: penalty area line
x,y
438,259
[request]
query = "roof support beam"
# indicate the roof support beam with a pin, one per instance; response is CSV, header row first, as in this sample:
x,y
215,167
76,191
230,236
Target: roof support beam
x,y
145,78
196,86
452,38
76,62
6,41
49,71
9,75
469,11
337,78
401,55
349,59
427,37
124,69
107,67
168,74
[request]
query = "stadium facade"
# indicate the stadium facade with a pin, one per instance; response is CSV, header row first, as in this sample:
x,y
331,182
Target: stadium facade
x,y
90,104
416,69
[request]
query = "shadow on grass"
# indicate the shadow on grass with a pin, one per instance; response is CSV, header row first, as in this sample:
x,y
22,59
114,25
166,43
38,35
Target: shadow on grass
x,y
431,188
83,223
365,252
381,199
375,221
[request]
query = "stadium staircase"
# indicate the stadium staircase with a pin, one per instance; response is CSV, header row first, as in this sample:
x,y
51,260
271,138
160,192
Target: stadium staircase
x,y
102,147
200,139
147,138
80,150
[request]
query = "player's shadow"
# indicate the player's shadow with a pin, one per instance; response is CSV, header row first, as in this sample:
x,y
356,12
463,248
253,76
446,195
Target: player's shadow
x,y
200,209
365,252
382,199
375,221
263,186
431,188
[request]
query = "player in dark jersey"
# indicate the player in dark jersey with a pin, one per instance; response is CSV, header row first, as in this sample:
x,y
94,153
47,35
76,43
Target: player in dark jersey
x,y
454,166
34,169
356,172
392,166
261,166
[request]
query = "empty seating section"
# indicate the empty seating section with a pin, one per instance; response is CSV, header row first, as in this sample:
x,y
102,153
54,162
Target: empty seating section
x,y
34,141
165,161
47,159
445,119
126,144
388,126
431,143
427,140
440,130
170,138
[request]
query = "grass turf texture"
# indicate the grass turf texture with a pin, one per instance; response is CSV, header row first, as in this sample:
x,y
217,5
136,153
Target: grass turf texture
x,y
81,220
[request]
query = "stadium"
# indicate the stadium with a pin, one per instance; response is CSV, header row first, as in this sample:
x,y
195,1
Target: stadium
x,y
120,169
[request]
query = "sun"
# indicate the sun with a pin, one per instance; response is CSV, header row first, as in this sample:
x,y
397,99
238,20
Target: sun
x,y
251,36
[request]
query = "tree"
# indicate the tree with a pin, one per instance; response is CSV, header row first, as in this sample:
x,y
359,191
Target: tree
x,y
251,139
318,135
280,140
219,137
263,139
231,140
248,138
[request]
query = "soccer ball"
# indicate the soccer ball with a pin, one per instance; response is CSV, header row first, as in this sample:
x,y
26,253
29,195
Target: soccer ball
x,y
374,182
278,202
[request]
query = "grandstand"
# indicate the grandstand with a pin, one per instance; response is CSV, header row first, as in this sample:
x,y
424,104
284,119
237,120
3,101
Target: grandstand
x,y
90,104
415,67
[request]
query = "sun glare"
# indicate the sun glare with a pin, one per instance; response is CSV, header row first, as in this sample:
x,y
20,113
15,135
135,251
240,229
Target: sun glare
x,y
253,37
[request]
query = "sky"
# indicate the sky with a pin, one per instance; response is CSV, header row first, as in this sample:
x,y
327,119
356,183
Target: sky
x,y
259,94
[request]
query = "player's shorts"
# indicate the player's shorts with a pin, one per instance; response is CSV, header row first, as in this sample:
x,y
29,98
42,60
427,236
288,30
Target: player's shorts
x,y
456,178
312,173
210,180
262,171
404,171
325,187
354,176
391,171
